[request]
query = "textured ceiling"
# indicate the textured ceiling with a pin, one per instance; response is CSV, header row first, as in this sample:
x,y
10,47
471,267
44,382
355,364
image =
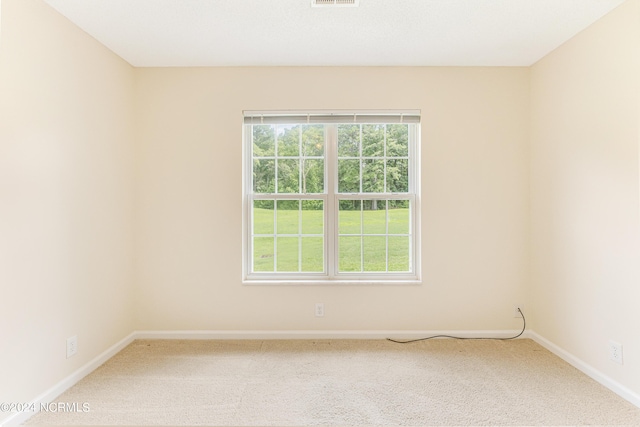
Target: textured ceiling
x,y
161,33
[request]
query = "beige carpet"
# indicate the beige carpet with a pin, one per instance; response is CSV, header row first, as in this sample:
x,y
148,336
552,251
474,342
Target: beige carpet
x,y
340,382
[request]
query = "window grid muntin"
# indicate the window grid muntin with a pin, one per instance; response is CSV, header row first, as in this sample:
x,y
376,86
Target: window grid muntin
x,y
410,233
331,212
384,158
275,235
301,158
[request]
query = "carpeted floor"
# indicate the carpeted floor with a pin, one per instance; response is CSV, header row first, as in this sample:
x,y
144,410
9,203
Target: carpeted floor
x,y
340,382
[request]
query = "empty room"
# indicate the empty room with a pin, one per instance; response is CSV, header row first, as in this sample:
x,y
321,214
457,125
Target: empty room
x,y
319,212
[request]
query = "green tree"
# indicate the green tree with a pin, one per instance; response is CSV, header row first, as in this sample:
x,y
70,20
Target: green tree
x,y
312,169
264,172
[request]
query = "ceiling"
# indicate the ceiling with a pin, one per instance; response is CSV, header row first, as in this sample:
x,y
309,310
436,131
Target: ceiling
x,y
171,33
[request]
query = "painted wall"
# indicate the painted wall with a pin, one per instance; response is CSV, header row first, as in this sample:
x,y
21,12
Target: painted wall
x,y
66,198
91,150
585,218
475,213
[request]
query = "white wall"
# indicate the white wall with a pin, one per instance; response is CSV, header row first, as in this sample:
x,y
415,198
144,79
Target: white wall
x,y
91,150
585,217
474,197
66,198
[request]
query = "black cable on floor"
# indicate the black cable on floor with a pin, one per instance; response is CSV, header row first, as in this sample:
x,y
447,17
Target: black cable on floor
x,y
524,326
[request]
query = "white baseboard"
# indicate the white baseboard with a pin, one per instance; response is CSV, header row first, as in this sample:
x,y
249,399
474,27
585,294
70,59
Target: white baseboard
x,y
587,369
55,391
313,334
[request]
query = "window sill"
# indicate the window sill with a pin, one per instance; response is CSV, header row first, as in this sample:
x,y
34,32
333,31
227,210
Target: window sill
x,y
337,282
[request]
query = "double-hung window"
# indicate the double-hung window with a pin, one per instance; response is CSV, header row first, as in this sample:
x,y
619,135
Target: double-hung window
x,y
331,197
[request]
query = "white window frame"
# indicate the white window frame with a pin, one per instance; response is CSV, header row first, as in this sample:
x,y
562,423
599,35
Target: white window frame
x,y
331,197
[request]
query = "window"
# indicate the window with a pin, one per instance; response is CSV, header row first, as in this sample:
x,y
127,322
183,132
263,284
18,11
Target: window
x,y
331,197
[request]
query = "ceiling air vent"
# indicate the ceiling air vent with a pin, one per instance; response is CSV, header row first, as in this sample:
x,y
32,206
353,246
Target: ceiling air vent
x,y
334,3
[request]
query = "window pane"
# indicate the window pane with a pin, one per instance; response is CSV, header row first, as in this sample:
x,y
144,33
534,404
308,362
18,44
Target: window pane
x,y
397,140
398,217
263,216
313,176
375,253
288,217
263,254
398,253
287,249
288,140
264,142
349,217
348,176
349,254
312,217
398,176
312,140
348,140
288,176
313,254
373,176
264,176
374,217
373,140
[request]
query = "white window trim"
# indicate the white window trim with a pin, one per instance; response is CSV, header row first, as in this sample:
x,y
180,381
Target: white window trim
x,y
330,199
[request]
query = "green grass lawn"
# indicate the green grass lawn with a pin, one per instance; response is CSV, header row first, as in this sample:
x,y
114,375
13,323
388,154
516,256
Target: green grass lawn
x,y
359,250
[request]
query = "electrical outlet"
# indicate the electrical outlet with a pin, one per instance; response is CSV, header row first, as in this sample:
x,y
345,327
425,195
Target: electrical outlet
x,y
319,309
517,313
615,352
72,346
